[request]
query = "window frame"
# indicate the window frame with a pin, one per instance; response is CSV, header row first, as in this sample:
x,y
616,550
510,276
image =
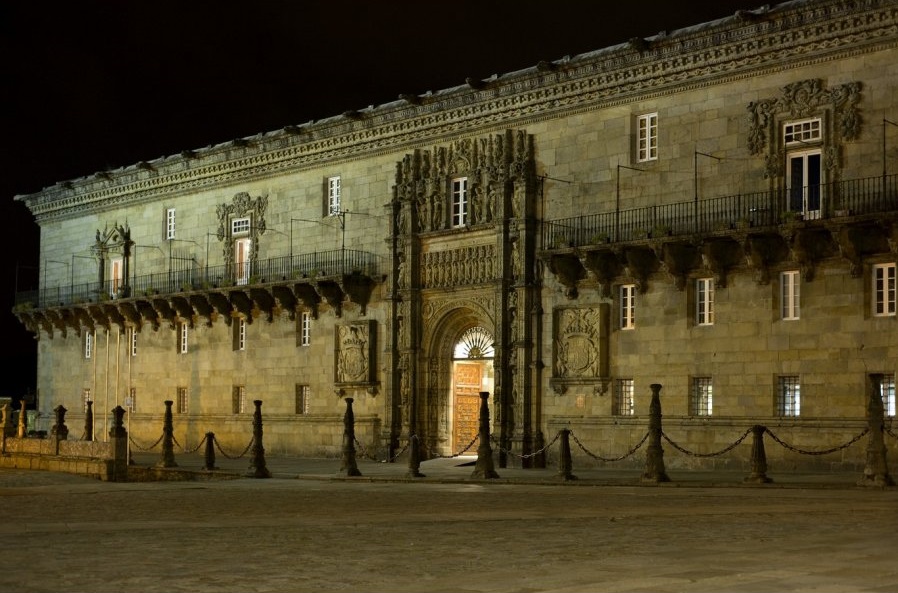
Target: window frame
x,y
87,345
701,396
85,397
887,391
302,393
183,344
170,224
627,306
333,196
238,402
623,399
704,301
461,211
884,281
305,328
239,328
181,400
788,396
790,295
647,137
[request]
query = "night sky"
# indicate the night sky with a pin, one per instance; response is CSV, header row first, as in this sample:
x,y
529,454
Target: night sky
x,y
98,85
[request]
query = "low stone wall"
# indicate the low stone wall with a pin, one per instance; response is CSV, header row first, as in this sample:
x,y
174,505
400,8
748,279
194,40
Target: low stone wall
x,y
86,458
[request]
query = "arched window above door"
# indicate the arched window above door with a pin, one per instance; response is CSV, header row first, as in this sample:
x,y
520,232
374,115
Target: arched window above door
x,y
475,343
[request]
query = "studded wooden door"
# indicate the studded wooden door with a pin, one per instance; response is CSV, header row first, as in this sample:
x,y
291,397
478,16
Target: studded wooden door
x,y
468,377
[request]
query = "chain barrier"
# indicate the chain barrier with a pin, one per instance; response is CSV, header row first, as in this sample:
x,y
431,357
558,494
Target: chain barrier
x,y
195,449
220,450
823,452
528,455
889,432
460,453
716,453
600,458
151,447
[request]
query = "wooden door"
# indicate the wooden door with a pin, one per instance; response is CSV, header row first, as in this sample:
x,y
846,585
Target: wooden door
x,y
467,406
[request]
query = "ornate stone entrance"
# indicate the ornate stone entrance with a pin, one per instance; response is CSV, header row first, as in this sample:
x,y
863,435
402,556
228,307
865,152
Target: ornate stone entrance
x,y
472,372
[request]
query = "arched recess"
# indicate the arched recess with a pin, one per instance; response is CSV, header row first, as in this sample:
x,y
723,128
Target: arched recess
x,y
437,405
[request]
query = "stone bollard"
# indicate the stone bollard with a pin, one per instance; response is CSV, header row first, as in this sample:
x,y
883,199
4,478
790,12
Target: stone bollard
x,y
168,437
654,457
758,457
210,452
414,458
59,430
89,422
565,466
118,439
484,467
348,465
876,470
258,468
6,423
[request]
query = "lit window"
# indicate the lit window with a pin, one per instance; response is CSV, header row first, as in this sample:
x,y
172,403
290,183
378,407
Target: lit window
x,y
628,306
333,195
305,328
240,226
788,396
182,338
182,400
131,400
240,334
302,399
802,132
704,301
88,344
170,223
790,294
647,137
884,290
622,400
888,393
242,264
700,403
85,398
460,201
239,401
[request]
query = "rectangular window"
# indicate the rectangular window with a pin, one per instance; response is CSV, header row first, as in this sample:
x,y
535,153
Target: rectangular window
x,y
788,396
803,178
790,294
888,394
628,306
305,328
884,290
182,400
333,195
700,402
302,399
131,400
460,201
239,226
88,344
622,400
85,397
132,341
242,264
239,328
182,338
704,301
239,403
647,137
116,265
169,223
802,132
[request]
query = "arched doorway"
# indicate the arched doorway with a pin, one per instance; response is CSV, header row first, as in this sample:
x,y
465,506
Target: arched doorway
x,y
472,372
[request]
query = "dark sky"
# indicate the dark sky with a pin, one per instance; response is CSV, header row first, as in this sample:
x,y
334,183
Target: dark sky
x,y
94,85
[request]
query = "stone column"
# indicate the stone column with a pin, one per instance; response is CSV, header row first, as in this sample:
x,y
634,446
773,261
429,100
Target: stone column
x,y
168,447
654,458
258,468
89,422
118,439
348,466
484,467
876,471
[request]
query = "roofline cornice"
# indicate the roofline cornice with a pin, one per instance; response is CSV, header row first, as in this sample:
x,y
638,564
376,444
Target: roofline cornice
x,y
748,44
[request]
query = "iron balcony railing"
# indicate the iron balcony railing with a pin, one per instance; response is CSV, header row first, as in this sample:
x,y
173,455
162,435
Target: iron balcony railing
x,y
288,268
856,196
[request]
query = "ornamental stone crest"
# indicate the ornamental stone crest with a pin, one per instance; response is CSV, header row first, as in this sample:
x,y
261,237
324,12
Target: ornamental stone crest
x,y
580,347
355,346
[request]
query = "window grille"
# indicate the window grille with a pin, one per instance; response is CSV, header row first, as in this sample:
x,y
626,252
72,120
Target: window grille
x,y
802,132
622,400
333,195
302,399
700,404
788,397
239,399
182,400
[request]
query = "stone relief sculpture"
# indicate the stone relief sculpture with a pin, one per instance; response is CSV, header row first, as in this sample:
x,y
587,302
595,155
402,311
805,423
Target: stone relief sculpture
x,y
580,347
355,346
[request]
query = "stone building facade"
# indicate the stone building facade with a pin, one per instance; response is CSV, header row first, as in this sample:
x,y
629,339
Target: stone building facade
x,y
712,209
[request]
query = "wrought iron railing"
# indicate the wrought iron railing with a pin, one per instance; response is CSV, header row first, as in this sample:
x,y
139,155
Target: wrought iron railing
x,y
303,267
855,196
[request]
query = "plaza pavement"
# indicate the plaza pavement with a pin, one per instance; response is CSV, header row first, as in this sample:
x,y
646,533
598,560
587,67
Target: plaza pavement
x,y
310,528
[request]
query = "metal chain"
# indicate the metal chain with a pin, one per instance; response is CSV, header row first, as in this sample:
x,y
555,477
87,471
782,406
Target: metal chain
x,y
600,458
824,452
716,453
133,442
220,450
195,449
888,430
460,453
175,441
528,455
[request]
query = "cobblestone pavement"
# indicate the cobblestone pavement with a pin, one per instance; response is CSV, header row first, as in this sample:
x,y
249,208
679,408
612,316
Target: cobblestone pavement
x,y
446,532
